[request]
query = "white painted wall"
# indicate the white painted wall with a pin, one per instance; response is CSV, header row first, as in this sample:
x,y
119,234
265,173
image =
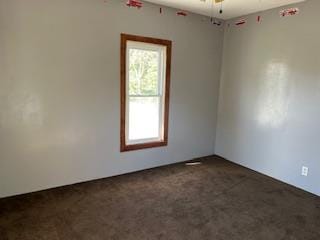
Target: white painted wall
x,y
269,106
60,86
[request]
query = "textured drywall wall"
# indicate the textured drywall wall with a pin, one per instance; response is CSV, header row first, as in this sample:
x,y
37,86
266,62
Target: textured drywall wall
x,y
60,86
269,110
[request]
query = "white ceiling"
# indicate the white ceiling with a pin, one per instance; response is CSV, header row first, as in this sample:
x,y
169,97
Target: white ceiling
x,y
231,8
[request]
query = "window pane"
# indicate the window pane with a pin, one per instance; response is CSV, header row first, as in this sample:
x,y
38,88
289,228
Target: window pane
x,y
143,72
143,117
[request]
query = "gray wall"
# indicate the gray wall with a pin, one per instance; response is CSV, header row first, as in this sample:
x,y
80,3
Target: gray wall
x,y
59,90
269,106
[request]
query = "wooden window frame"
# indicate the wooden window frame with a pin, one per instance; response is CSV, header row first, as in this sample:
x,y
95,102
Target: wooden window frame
x,y
124,147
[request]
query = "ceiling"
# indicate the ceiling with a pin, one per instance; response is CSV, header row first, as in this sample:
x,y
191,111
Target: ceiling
x,y
231,8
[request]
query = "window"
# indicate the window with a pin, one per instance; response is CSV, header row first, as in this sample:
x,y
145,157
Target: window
x,y
145,79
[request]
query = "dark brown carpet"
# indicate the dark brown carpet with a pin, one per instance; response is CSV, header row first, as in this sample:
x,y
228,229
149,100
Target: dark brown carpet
x,y
215,200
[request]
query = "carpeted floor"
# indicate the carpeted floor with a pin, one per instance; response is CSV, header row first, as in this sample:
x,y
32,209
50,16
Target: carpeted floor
x,y
215,200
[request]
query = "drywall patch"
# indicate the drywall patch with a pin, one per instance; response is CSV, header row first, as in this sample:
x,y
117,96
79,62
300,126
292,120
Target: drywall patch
x,y
259,19
289,12
182,13
134,3
240,22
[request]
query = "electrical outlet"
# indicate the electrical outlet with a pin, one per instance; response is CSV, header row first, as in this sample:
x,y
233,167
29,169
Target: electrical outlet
x,y
304,171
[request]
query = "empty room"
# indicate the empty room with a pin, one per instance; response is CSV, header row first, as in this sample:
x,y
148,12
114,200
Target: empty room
x,y
159,120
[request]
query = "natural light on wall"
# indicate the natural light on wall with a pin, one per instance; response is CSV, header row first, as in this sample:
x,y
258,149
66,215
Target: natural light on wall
x,y
273,102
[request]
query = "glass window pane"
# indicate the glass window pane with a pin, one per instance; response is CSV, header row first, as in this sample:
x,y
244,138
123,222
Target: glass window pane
x,y
143,72
143,118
